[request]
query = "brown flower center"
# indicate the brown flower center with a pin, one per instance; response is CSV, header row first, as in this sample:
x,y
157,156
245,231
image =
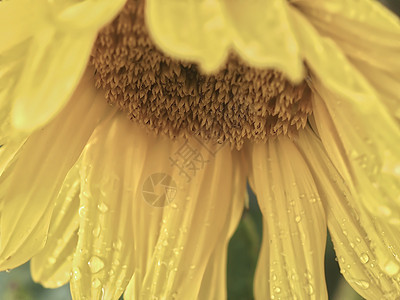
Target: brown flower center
x,y
236,104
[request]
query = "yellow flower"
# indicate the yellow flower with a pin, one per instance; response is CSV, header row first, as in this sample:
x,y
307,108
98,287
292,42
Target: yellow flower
x,y
105,203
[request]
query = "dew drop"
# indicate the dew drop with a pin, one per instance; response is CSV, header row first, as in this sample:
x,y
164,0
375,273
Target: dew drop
x,y
309,289
394,221
116,262
76,274
364,258
95,264
362,284
277,289
298,219
102,207
96,231
51,260
82,211
391,268
384,211
117,245
96,283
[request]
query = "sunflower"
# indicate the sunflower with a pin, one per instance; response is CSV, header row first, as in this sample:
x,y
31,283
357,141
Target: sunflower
x,y
128,131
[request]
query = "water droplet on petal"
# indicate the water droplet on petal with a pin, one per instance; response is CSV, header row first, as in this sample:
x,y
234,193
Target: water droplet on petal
x,y
51,260
277,289
362,284
384,211
82,211
76,274
102,207
95,264
364,258
96,283
391,268
309,289
117,245
96,231
298,219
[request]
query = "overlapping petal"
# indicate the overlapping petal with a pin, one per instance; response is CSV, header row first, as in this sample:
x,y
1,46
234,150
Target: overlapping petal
x,y
44,79
174,243
367,250
103,260
369,35
213,285
29,186
52,266
205,30
191,30
365,149
367,31
323,57
262,33
291,262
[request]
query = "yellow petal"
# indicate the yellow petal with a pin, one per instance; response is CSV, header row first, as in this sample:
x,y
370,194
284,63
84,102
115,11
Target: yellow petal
x,y
172,244
103,261
52,266
364,30
11,139
24,21
190,229
213,285
369,35
54,54
364,148
84,15
262,34
29,186
331,66
53,65
190,30
291,262
367,252
387,85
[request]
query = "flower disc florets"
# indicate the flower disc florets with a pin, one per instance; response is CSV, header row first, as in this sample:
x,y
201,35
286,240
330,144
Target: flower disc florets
x,y
236,104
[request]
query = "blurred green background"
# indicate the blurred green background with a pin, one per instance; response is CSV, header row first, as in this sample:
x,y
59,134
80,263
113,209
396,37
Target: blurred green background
x,y
243,251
